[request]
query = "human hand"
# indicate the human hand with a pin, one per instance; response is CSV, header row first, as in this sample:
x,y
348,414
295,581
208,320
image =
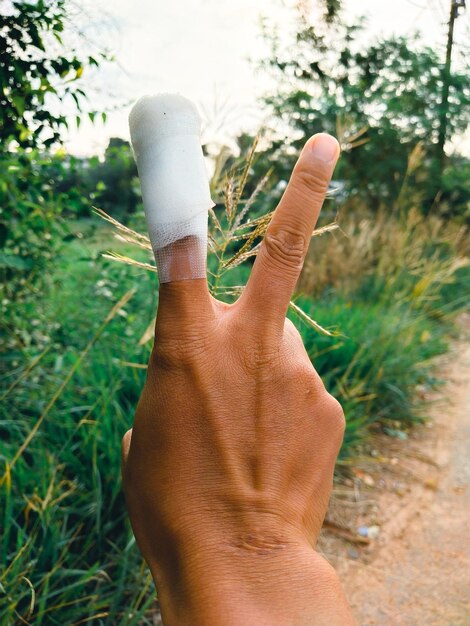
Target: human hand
x,y
228,469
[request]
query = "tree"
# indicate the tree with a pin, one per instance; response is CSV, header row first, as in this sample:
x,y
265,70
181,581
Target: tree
x,y
38,72
455,6
384,97
332,8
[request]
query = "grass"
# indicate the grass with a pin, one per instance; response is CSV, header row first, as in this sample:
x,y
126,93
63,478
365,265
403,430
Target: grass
x,y
376,306
68,556
375,367
393,285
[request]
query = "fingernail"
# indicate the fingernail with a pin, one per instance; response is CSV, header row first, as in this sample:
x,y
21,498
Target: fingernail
x,y
325,147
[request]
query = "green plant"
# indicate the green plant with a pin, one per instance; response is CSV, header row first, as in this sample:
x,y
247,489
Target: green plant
x,y
32,225
70,380
38,67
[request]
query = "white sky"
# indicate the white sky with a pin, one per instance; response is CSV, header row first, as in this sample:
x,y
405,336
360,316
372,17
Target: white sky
x,y
201,48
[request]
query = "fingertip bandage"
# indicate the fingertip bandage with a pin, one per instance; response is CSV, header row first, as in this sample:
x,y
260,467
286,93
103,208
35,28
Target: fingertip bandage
x,y
165,134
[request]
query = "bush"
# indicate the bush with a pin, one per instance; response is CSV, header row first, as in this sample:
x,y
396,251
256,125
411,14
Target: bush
x,y
29,226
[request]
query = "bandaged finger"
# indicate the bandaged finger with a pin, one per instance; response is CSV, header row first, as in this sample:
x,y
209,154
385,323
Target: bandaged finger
x,y
165,134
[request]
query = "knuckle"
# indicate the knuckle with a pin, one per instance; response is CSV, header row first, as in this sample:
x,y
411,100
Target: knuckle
x,y
286,247
126,440
293,339
315,182
306,375
335,414
301,376
290,327
187,349
310,383
291,332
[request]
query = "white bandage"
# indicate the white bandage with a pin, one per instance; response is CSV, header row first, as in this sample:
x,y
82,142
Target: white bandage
x,y
165,134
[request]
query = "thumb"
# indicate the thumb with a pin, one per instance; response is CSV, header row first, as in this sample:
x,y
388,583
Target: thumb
x,y
125,446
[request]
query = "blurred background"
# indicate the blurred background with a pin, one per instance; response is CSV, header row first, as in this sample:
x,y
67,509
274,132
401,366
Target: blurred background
x,y
384,288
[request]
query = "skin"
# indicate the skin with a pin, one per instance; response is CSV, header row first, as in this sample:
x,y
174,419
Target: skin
x,y
228,469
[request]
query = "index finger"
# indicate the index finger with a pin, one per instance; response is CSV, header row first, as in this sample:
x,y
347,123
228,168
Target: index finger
x,y
282,253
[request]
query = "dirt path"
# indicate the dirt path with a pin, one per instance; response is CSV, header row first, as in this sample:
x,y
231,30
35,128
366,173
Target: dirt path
x,y
417,570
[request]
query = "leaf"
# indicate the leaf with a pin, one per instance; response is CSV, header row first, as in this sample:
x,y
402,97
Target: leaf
x,y
15,262
123,229
249,203
258,231
19,104
246,171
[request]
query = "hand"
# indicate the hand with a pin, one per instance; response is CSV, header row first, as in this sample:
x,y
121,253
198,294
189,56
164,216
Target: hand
x,y
228,469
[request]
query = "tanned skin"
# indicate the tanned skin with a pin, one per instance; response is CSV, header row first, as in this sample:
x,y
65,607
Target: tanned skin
x,y
228,469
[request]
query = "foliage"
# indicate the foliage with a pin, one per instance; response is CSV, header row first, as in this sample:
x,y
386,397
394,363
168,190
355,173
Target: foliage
x,y
30,219
454,200
41,191
384,97
332,8
113,181
386,247
391,286
39,71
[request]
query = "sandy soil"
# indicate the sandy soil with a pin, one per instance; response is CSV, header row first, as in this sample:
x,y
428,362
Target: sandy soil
x,y
416,495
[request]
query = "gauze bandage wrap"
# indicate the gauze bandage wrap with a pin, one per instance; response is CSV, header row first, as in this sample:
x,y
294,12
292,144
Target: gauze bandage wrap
x,y
165,134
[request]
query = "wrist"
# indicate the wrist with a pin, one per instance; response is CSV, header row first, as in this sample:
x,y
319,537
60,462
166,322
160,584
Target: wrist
x,y
259,580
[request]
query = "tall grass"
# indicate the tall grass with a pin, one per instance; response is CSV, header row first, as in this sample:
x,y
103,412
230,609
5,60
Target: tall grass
x,y
393,285
67,554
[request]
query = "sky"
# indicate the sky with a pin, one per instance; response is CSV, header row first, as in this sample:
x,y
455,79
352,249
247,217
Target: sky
x,y
202,49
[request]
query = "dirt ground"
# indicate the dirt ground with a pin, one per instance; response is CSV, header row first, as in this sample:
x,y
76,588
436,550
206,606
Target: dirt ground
x,y
412,501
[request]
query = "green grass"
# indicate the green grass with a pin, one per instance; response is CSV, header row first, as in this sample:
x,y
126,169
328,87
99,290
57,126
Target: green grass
x,y
375,367
64,527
